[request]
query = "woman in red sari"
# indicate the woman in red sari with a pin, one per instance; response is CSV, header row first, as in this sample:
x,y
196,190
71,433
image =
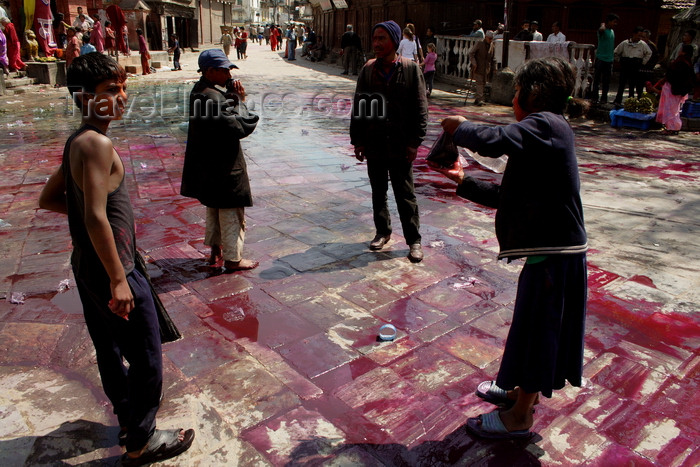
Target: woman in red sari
x,y
143,50
13,47
274,37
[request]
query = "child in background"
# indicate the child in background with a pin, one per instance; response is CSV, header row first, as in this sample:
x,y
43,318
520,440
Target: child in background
x,y
87,47
674,89
110,39
429,67
72,46
407,46
175,49
90,188
539,218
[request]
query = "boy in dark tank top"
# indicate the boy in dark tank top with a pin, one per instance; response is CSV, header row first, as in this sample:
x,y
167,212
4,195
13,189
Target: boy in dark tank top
x,y
119,309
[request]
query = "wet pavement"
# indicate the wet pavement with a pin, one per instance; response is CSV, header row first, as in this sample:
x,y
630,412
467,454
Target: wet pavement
x,y
281,365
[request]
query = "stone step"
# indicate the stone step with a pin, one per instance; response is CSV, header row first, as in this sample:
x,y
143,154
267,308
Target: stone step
x,y
135,59
14,91
17,82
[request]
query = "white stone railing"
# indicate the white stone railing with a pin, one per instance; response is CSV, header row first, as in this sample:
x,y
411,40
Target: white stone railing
x,y
453,59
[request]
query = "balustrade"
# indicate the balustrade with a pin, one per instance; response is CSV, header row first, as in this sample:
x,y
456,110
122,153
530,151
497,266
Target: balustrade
x,y
453,62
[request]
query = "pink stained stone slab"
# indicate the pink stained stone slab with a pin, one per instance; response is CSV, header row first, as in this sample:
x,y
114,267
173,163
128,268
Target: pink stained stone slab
x,y
293,290
277,366
202,353
32,343
614,454
568,442
409,314
641,430
309,435
241,403
603,333
307,260
270,329
598,278
390,351
316,355
344,374
391,402
624,377
671,400
370,294
496,323
221,286
356,427
471,346
326,310
193,304
430,369
437,330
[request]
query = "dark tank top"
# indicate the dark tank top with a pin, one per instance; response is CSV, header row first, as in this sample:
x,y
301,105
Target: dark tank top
x,y
86,264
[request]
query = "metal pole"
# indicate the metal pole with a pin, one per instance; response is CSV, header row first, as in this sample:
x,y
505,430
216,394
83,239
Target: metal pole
x,y
506,17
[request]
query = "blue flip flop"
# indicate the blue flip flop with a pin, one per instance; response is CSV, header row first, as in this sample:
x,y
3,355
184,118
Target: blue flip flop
x,y
488,391
490,426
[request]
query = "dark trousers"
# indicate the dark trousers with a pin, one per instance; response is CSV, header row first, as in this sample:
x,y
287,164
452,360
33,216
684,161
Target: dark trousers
x,y
381,168
350,59
629,75
134,392
176,61
429,77
601,78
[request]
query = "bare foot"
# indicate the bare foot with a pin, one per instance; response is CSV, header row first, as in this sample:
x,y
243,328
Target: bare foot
x,y
513,395
215,255
242,265
514,421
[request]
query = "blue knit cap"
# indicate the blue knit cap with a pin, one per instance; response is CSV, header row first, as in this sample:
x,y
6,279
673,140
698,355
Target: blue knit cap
x,y
393,29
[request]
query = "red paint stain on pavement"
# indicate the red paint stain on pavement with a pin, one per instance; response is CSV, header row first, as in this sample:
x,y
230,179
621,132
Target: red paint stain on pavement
x,y
598,278
644,318
644,280
657,172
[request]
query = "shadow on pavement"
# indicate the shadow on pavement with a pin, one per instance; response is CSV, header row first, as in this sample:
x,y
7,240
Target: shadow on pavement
x,y
458,448
329,257
73,443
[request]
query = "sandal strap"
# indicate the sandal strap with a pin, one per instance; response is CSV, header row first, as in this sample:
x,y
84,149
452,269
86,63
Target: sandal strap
x,y
492,423
495,391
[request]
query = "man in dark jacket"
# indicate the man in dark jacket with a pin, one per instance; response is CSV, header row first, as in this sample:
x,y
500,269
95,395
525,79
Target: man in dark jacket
x,y
215,171
524,34
480,58
389,121
351,45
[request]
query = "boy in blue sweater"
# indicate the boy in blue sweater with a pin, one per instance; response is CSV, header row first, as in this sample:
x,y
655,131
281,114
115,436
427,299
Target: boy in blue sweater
x,y
539,218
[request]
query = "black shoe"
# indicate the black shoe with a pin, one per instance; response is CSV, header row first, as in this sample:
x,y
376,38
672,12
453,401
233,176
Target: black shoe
x,y
344,73
415,254
379,241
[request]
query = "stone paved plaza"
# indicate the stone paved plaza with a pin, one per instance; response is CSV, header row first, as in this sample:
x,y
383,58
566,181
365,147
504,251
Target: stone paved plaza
x,y
281,365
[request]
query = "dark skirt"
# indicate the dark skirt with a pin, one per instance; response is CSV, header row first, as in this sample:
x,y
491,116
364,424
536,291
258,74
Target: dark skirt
x,y
544,348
